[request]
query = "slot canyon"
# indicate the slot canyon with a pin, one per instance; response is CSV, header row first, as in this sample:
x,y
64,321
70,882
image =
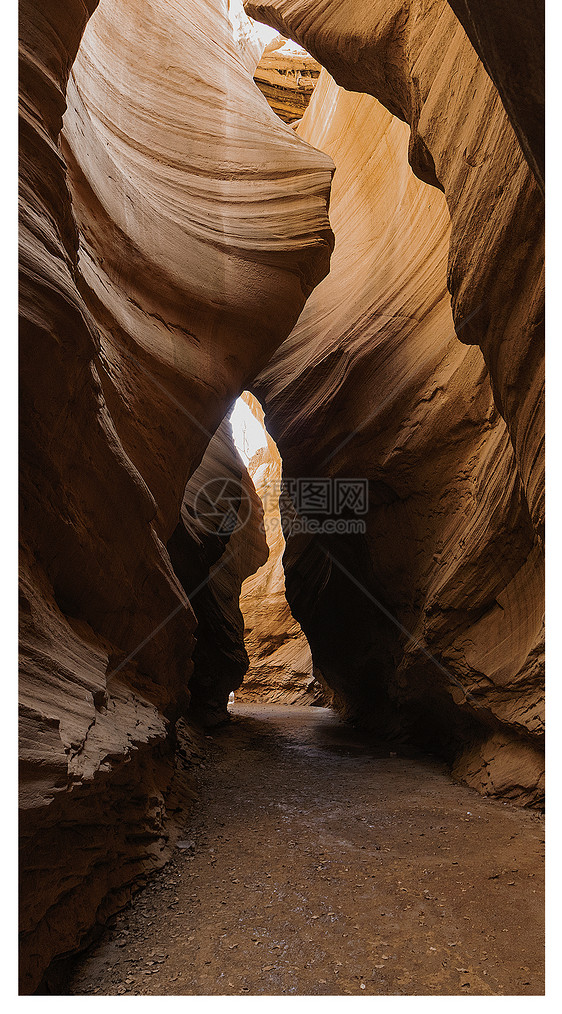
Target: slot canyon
x,y
282,438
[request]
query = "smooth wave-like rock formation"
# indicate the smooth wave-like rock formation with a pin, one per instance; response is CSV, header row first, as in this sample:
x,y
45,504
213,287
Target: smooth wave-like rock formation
x,y
168,244
221,217
280,662
430,624
417,60
171,234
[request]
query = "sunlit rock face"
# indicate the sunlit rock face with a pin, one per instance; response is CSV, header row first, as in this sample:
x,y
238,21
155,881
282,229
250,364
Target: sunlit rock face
x,y
251,37
430,624
286,76
187,210
168,243
417,60
280,662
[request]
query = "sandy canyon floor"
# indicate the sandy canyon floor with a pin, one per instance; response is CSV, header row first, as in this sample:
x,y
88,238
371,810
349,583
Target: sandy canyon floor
x,y
317,864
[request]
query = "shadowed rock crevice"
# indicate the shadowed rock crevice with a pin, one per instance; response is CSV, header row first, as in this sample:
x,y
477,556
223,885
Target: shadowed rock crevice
x,y
431,623
193,230
510,41
174,251
280,662
217,544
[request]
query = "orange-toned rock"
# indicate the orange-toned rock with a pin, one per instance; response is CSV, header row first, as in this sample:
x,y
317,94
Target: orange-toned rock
x,y
170,237
280,663
286,76
193,230
429,624
167,202
417,60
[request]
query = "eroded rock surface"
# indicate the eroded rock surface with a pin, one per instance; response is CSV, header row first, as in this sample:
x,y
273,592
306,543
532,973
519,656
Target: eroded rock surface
x,y
509,38
193,230
280,662
286,76
169,240
417,60
429,624
218,542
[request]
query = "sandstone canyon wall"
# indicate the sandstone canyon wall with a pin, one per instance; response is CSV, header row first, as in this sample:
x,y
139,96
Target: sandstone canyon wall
x,y
220,533
280,662
417,60
430,624
509,38
170,237
286,76
167,245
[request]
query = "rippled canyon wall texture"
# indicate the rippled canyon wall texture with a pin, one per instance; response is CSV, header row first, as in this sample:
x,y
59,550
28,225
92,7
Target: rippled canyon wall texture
x,y
172,230
169,239
446,644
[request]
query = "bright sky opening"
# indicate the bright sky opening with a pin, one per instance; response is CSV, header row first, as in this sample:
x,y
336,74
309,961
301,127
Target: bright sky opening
x,y
249,435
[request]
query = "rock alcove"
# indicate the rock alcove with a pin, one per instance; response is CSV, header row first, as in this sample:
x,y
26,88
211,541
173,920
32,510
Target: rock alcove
x,y
177,248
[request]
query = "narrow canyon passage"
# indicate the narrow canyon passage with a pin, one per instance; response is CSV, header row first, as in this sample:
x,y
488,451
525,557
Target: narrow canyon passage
x,y
321,864
324,226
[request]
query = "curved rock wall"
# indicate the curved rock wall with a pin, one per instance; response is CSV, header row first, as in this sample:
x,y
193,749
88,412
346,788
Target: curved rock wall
x,y
185,215
169,241
509,39
430,623
280,663
416,59
218,542
194,228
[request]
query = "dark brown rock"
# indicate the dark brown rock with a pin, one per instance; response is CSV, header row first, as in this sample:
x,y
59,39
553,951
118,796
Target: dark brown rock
x,y
218,542
428,625
137,284
509,39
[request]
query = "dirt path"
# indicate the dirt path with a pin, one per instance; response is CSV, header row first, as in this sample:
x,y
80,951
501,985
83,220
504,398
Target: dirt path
x,y
323,866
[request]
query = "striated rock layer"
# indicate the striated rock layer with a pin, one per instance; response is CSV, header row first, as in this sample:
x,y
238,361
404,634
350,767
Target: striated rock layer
x,y
417,60
286,76
157,274
170,237
280,663
509,38
430,623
